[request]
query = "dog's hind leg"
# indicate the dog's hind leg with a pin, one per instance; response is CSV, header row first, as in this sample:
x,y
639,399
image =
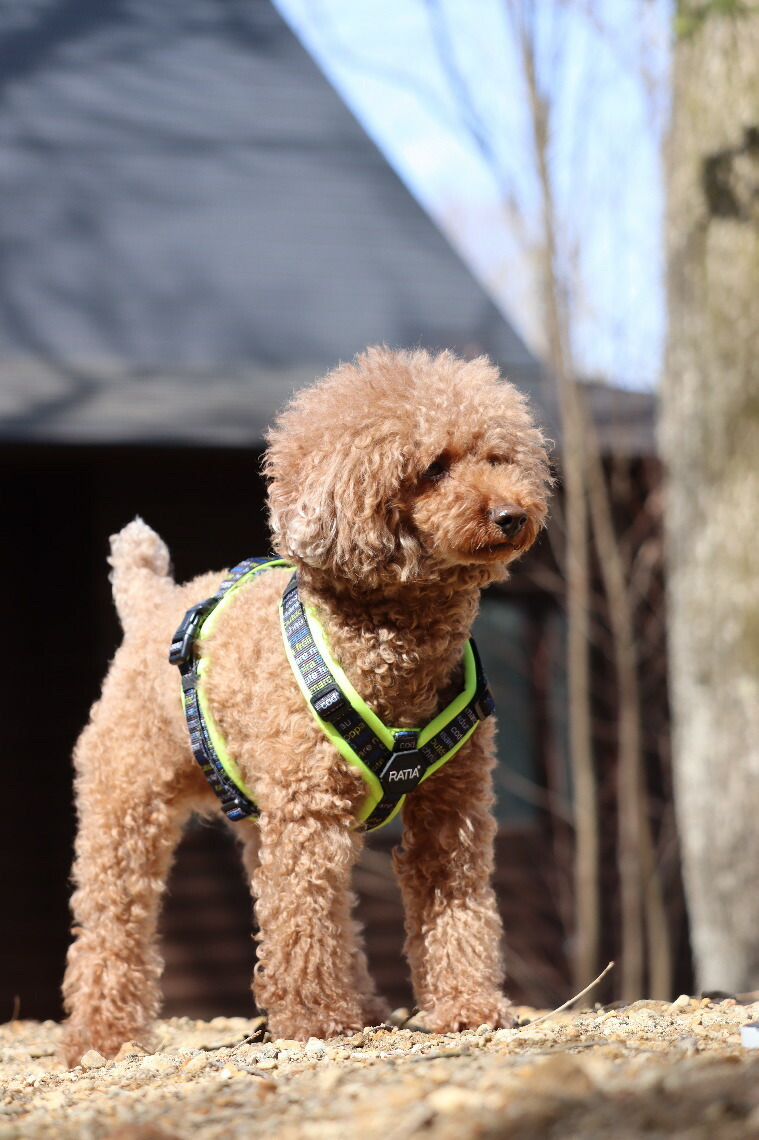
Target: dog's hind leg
x,y
452,921
129,823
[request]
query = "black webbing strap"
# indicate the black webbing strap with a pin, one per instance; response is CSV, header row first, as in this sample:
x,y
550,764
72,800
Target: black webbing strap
x,y
401,769
235,803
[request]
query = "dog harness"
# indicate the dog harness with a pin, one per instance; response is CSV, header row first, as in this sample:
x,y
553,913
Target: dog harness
x,y
392,762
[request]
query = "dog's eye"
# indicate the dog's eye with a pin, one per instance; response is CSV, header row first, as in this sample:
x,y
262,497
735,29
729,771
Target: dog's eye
x,y
435,470
498,460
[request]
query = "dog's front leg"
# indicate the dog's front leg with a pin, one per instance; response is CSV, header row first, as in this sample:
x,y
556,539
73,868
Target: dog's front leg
x,y
305,972
452,921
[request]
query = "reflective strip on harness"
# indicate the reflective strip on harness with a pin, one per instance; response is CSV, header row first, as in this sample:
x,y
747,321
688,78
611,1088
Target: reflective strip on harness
x,y
208,748
392,762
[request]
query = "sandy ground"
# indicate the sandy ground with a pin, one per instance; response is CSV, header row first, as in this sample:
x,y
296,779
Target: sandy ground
x,y
648,1069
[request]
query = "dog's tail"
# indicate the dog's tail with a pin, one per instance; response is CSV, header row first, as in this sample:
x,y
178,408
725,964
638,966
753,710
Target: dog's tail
x,y
141,571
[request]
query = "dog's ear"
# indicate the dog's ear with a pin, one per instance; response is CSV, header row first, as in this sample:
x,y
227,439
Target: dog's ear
x,y
337,507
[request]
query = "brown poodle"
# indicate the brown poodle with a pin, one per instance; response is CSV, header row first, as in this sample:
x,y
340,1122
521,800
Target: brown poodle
x,y
399,486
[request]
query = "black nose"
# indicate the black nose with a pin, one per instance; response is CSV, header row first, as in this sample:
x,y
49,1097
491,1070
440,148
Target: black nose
x,y
509,518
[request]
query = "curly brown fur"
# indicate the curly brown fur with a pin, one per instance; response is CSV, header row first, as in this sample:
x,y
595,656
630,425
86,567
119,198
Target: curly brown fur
x,y
386,481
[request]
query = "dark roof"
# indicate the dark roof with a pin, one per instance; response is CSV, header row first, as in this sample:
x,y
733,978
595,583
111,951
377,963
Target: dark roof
x,y
194,224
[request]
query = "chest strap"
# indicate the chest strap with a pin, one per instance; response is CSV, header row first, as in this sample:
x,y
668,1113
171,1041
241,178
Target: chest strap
x,y
392,762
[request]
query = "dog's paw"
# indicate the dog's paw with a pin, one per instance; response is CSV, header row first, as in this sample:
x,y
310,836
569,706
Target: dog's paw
x,y
456,1015
78,1039
374,1010
300,1025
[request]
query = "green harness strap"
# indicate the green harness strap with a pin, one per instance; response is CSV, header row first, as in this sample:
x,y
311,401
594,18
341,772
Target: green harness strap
x,y
392,762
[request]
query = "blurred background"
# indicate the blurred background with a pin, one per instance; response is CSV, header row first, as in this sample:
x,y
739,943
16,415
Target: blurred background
x,y
207,204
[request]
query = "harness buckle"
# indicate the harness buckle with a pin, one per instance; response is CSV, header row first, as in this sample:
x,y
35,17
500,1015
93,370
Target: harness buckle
x,y
181,643
483,704
235,809
330,703
189,681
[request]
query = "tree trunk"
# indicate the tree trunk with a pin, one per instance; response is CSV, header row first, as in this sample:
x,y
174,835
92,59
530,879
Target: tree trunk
x,y
710,439
587,894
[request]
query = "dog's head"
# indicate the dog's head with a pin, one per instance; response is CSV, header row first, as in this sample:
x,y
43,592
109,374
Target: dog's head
x,y
401,465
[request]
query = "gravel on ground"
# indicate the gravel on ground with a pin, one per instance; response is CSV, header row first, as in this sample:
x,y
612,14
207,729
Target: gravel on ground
x,y
651,1068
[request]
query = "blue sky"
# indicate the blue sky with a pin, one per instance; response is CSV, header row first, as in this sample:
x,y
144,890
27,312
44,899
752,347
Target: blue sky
x,y
429,78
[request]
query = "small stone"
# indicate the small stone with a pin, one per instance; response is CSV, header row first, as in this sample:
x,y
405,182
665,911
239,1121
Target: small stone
x,y
641,1016
750,1035
230,1071
267,1063
196,1064
686,1043
58,1098
329,1078
502,1035
483,1029
315,1048
681,1002
292,1046
416,1024
248,1054
131,1049
93,1060
158,1063
399,1016
453,1099
559,1076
